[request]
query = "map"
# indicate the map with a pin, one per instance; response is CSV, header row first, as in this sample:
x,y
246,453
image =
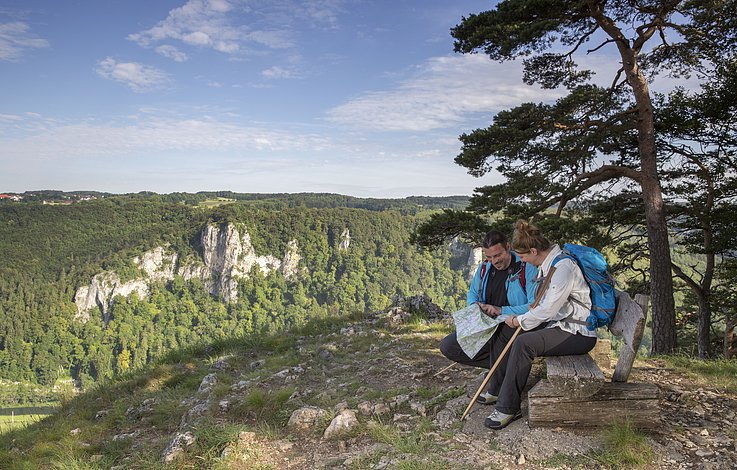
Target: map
x,y
474,328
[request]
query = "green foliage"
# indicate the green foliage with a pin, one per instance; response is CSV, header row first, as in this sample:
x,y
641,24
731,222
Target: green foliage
x,y
51,251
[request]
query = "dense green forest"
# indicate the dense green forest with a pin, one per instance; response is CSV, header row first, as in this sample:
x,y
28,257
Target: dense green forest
x,y
49,251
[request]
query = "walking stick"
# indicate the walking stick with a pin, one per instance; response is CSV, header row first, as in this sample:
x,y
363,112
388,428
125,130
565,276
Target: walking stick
x,y
509,344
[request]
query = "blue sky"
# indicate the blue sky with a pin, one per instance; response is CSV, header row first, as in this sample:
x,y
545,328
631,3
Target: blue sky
x,y
364,98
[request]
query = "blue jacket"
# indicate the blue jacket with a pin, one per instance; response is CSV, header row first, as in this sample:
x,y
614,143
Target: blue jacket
x,y
518,298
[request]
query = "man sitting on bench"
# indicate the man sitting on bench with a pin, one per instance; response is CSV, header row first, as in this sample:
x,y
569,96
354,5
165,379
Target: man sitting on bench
x,y
502,285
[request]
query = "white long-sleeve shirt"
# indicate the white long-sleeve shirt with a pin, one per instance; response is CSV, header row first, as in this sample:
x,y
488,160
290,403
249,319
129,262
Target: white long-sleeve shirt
x,y
567,297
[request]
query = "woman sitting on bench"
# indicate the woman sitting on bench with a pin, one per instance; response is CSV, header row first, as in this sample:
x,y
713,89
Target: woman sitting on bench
x,y
565,298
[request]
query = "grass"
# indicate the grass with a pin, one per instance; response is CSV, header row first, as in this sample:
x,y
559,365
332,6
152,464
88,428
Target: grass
x,y
720,373
624,448
265,406
415,442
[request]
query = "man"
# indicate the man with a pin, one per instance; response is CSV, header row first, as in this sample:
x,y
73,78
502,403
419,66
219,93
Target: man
x,y
502,285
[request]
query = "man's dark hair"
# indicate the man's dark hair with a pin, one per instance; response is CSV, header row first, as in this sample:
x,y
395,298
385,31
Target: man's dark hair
x,y
494,237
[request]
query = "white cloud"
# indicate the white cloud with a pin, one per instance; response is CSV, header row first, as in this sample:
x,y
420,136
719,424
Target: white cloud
x,y
150,133
172,53
202,23
234,26
10,117
15,39
138,77
445,92
277,72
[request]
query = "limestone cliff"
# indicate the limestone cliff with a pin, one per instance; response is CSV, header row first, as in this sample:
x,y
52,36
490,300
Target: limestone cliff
x,y
345,239
227,254
101,292
464,257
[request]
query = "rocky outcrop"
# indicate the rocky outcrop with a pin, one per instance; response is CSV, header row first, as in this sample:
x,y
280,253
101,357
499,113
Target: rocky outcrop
x,y
227,255
464,257
345,240
157,264
101,292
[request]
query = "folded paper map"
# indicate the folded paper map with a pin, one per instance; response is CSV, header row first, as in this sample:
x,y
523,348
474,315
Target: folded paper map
x,y
474,328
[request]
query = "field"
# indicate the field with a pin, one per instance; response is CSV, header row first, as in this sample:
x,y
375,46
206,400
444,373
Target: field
x,y
21,416
210,203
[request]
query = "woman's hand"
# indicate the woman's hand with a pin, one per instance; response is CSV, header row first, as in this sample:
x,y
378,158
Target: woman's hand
x,y
512,321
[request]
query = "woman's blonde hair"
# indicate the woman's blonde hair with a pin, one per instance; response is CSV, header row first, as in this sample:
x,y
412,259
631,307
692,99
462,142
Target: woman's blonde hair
x,y
527,236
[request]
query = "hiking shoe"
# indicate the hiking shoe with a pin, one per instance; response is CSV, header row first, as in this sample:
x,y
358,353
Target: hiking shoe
x,y
486,398
499,420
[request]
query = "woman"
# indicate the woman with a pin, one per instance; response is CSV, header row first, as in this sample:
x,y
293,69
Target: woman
x,y
558,320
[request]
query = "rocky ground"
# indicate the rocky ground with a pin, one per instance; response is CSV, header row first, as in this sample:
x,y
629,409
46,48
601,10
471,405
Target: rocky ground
x,y
371,394
403,412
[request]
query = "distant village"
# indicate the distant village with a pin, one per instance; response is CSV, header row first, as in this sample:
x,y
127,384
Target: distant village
x,y
61,199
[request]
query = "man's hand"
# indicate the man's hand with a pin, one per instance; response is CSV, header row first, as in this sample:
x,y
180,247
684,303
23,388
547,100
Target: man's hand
x,y
490,310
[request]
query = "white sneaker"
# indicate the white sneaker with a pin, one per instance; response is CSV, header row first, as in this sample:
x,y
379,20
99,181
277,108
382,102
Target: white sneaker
x,y
486,398
499,420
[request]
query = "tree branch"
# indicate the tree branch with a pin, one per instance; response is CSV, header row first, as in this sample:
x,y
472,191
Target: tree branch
x,y
685,278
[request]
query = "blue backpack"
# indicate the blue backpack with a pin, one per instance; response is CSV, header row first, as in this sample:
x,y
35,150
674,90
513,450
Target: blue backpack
x,y
601,284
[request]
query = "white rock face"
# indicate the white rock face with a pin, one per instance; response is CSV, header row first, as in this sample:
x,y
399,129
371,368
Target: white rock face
x,y
157,264
101,292
345,240
291,261
226,256
465,258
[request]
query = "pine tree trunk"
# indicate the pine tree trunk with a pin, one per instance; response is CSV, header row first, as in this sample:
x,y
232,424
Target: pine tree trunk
x,y
661,279
703,330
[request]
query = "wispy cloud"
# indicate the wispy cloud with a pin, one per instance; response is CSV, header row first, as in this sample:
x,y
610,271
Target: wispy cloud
x,y
172,52
277,72
138,77
16,39
444,92
235,26
147,133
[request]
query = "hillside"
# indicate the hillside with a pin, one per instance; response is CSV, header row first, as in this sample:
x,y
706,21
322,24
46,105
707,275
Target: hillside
x,y
92,288
279,402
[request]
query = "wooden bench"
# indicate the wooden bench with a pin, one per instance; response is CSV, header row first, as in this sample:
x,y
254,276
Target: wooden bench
x,y
576,393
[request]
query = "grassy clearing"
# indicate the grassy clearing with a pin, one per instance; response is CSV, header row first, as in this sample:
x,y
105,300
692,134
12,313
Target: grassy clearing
x,y
210,203
21,416
720,373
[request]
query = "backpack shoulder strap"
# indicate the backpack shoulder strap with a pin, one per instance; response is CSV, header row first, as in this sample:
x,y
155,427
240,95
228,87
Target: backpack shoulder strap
x,y
523,277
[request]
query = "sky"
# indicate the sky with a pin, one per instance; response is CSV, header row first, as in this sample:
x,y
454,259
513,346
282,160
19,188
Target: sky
x,y
356,97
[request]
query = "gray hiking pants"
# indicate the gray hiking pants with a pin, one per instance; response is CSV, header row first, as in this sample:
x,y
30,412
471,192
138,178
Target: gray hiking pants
x,y
511,377
487,355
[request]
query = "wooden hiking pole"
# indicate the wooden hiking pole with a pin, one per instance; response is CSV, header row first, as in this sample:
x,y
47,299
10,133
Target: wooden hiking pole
x,y
509,344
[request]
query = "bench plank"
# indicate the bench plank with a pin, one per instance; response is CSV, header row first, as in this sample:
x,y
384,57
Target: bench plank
x,y
577,376
613,402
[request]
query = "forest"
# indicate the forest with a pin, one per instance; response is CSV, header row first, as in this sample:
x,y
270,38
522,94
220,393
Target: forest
x,y
50,250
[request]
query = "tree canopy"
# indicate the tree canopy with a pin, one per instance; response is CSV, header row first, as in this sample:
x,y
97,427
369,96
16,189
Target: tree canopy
x,y
598,140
